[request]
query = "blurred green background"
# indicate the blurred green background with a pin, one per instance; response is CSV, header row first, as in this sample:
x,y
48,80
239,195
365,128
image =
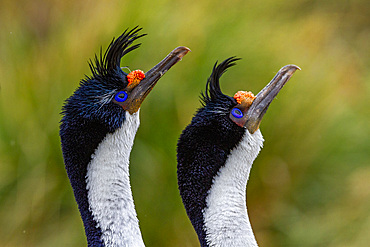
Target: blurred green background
x,y
310,186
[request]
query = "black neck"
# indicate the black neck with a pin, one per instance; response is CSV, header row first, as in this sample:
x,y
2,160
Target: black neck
x,y
80,138
201,152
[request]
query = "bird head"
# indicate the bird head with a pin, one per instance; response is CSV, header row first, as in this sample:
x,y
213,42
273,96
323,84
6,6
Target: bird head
x,y
243,111
109,92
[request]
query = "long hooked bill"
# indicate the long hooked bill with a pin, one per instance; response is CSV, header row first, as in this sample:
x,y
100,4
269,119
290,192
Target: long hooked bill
x,y
138,94
264,98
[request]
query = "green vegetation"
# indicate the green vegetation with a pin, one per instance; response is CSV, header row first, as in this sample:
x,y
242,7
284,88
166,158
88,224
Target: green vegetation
x,y
310,185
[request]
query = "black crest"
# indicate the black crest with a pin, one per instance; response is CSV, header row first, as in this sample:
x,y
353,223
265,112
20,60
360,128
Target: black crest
x,y
109,63
92,99
213,90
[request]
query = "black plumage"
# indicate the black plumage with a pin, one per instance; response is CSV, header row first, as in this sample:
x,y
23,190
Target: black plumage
x,y
204,146
89,115
97,108
214,198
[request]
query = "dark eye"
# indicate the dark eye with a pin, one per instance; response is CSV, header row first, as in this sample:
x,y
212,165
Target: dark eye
x,y
237,113
121,96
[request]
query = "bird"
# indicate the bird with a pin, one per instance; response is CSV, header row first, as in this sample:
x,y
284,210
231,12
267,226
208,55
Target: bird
x,y
97,131
215,153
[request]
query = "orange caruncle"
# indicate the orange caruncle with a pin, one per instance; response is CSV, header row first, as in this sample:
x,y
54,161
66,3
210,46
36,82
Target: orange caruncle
x,y
135,77
241,96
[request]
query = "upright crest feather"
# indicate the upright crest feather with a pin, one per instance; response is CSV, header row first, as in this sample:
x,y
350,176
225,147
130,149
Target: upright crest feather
x,y
213,90
104,65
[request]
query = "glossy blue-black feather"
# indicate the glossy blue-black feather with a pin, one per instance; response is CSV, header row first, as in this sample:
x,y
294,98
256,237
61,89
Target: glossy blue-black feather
x,y
89,115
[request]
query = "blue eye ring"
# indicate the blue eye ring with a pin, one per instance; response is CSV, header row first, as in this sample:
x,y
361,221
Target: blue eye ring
x,y
121,96
237,113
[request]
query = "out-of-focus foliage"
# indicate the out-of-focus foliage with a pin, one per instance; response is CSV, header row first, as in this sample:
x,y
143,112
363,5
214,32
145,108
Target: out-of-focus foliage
x,y
309,186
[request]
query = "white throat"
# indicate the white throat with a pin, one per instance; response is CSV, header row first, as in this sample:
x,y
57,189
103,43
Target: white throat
x,y
109,190
225,217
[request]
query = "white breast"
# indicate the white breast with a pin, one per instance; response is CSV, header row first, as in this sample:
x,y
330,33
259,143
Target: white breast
x,y
225,217
109,190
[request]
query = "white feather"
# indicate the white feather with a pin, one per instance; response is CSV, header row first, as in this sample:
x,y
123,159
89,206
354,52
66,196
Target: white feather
x,y
109,190
226,217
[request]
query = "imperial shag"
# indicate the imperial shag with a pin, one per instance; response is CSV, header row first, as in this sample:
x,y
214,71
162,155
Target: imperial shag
x,y
215,154
97,132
